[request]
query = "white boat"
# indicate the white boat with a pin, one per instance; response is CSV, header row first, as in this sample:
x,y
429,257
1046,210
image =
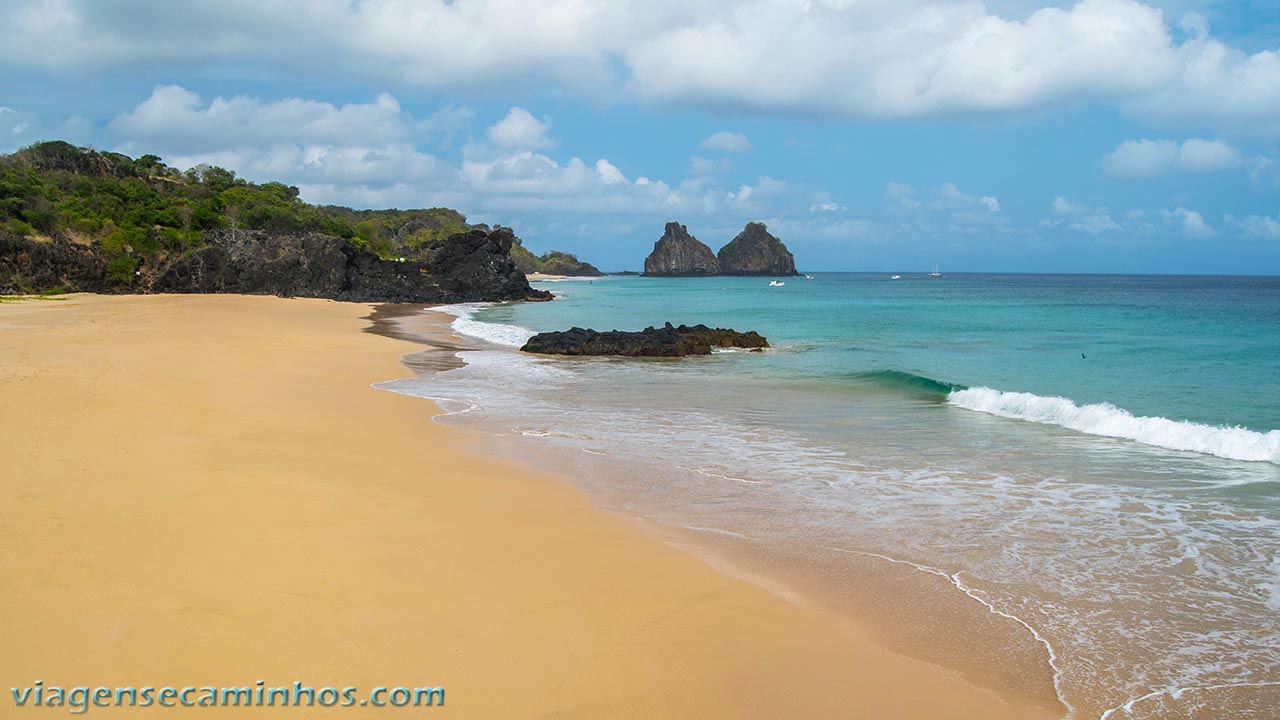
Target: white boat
x,y
808,277
776,283
895,277
935,273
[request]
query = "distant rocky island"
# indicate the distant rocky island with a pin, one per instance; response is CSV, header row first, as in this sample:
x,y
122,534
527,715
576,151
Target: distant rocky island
x,y
754,251
74,219
666,341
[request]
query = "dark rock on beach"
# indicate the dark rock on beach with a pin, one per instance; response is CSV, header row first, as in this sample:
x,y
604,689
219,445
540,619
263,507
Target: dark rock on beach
x,y
756,252
667,341
29,266
679,254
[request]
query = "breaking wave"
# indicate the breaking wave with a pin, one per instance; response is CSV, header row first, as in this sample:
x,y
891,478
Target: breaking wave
x,y
1107,420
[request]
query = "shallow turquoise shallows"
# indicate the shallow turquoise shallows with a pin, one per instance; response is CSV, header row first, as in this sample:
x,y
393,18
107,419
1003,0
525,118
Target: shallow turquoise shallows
x,y
1097,457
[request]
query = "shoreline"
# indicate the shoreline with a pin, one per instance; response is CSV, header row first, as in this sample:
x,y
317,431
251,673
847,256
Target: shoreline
x,y
931,632
210,492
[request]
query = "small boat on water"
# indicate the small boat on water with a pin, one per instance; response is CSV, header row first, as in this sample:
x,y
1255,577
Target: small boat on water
x,y
776,283
895,277
808,277
935,273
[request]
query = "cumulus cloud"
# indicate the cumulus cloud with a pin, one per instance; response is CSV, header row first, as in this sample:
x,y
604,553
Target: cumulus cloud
x,y
1256,226
944,207
520,129
726,142
874,58
1080,217
1190,222
609,173
175,117
1154,158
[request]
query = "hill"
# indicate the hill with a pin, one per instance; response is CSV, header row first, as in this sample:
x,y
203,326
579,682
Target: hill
x,y
105,222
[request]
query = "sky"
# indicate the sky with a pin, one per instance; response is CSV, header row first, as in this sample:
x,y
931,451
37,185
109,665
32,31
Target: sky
x,y
1105,136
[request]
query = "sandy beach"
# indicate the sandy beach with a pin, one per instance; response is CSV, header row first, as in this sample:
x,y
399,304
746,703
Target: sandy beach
x,y
206,491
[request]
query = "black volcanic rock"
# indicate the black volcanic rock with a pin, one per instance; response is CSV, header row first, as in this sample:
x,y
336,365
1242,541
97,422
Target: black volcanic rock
x,y
29,266
666,341
466,267
679,254
756,252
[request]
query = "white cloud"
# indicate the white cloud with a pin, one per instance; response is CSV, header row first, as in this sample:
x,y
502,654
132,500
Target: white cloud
x,y
901,195
950,197
823,202
873,58
1153,158
945,208
1081,218
726,142
175,117
520,129
1063,206
1262,169
1190,222
609,174
1256,226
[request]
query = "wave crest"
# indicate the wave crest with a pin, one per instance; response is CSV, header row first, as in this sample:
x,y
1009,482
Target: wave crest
x,y
1107,420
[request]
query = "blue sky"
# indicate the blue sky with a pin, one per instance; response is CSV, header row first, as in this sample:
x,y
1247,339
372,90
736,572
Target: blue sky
x,y
1100,136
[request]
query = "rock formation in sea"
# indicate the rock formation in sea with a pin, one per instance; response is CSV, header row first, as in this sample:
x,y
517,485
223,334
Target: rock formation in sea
x,y
756,252
466,267
679,254
667,341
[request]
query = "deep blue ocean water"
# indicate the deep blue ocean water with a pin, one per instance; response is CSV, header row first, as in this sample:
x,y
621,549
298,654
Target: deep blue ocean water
x,y
1094,457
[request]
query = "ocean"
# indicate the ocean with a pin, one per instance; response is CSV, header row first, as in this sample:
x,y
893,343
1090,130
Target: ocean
x,y
1067,487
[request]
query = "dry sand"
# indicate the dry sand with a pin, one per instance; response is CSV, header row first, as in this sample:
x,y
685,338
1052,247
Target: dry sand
x,y
204,490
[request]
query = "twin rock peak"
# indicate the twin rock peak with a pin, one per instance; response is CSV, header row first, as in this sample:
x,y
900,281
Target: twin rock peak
x,y
753,252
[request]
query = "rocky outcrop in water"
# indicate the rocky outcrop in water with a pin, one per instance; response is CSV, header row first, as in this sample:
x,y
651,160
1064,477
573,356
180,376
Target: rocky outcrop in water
x,y
679,254
756,252
667,341
467,267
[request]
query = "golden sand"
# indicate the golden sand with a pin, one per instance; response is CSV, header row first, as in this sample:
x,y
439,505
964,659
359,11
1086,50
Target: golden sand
x,y
205,490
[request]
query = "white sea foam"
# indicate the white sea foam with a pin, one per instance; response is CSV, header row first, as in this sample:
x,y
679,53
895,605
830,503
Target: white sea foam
x,y
498,334
1105,419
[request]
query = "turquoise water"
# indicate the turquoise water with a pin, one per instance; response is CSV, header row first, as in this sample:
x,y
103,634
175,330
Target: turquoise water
x,y
1095,460
1185,348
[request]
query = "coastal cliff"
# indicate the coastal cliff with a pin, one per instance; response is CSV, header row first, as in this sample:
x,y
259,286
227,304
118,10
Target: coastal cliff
x,y
468,267
756,252
78,220
679,254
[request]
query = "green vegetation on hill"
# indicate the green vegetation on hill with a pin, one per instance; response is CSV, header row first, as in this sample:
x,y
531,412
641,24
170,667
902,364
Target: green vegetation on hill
x,y
551,263
141,208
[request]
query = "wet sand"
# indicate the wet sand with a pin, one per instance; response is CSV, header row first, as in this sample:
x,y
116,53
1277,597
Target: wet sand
x,y
205,490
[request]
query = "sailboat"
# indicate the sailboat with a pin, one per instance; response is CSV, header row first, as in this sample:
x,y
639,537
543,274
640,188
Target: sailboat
x,y
935,273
